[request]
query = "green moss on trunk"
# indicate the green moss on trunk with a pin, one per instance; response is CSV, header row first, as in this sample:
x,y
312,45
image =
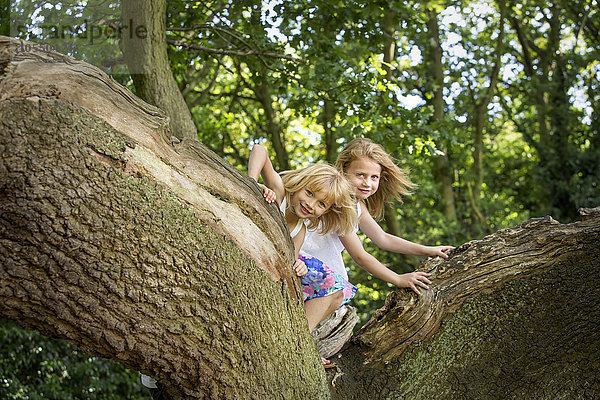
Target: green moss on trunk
x,y
120,266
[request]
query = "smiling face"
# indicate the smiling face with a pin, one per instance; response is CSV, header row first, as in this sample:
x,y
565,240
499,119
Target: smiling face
x,y
307,203
364,175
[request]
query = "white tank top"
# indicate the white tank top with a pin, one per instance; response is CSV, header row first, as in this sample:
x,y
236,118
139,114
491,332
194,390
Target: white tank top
x,y
298,226
327,248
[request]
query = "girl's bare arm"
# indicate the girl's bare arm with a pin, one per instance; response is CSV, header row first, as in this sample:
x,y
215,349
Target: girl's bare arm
x,y
412,280
389,242
259,164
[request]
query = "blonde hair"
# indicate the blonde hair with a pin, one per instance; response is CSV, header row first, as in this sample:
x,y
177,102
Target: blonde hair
x,y
394,181
341,217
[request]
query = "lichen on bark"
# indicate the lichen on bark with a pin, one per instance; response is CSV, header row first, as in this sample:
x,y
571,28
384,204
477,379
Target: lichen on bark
x,y
115,261
511,316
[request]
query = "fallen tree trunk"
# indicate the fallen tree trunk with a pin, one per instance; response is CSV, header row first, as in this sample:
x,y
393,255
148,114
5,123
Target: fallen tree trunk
x,y
515,315
163,258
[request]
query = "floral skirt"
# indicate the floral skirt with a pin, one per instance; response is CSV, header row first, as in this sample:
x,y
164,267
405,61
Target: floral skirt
x,y
322,281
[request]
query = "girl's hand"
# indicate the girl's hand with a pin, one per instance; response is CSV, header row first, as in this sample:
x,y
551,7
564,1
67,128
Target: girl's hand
x,y
300,268
268,194
438,251
414,280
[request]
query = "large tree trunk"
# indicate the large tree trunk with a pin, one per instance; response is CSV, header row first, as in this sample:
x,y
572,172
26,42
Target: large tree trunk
x,y
329,137
547,82
512,316
146,55
441,163
165,259
480,121
274,130
168,260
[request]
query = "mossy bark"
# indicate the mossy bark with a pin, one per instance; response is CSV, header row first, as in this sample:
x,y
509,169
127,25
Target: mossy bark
x,y
512,316
131,249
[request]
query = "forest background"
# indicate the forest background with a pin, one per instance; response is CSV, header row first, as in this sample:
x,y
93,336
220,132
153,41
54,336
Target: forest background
x,y
492,106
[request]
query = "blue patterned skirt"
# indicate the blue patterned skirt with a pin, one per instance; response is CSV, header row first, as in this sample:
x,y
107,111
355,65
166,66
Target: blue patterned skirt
x,y
321,281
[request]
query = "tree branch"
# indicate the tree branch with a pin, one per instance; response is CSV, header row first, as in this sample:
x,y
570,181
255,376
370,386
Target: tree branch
x,y
192,46
502,318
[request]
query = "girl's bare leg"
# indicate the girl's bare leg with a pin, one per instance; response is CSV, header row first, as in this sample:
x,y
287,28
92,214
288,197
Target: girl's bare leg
x,y
319,308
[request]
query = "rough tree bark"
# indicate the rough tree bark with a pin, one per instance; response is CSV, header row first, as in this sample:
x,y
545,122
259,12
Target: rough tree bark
x,y
512,316
167,260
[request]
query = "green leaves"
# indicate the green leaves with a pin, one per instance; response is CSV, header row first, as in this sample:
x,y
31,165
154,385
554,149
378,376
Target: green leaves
x,y
36,367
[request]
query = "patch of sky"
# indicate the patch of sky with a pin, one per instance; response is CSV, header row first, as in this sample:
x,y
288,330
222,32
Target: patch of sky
x,y
36,19
452,15
269,17
446,93
453,47
339,37
509,69
579,99
413,57
455,89
313,137
408,101
495,108
482,8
